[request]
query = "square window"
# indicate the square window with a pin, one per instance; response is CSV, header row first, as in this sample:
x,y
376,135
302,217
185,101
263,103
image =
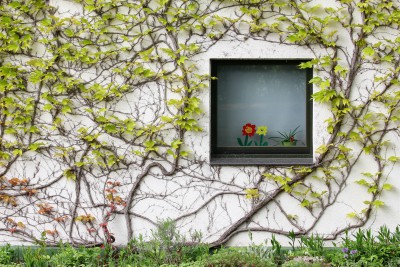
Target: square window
x,y
261,112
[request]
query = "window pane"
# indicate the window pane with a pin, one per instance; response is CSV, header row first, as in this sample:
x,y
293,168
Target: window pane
x,y
272,95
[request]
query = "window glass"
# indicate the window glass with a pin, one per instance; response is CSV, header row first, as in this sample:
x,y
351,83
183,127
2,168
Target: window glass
x,y
261,105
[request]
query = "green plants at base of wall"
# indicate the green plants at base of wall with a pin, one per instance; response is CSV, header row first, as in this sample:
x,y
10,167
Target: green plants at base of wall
x,y
70,257
6,254
231,257
363,248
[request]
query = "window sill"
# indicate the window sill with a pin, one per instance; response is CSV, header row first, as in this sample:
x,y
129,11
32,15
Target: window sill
x,y
244,161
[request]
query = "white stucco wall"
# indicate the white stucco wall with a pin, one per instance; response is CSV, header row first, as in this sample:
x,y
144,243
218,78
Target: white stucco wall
x,y
192,186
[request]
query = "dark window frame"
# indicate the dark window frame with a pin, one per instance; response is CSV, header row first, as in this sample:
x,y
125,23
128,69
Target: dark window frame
x,y
259,155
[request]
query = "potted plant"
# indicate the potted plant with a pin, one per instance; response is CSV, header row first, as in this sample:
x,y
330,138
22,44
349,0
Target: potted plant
x,y
288,138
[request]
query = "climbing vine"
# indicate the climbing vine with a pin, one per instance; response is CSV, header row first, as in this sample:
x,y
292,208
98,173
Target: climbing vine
x,y
103,117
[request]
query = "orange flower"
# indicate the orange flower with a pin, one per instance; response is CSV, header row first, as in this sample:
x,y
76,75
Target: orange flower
x,y
249,129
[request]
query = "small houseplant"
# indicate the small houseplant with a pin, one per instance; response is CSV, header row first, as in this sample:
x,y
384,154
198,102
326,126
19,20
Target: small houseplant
x,y
288,138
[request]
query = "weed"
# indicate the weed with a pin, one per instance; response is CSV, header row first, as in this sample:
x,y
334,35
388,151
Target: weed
x,y
167,246
364,249
70,257
261,250
292,242
6,254
277,254
274,253
230,257
295,263
314,245
36,257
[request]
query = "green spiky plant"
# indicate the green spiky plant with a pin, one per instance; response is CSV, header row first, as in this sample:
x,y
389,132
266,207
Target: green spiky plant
x,y
289,136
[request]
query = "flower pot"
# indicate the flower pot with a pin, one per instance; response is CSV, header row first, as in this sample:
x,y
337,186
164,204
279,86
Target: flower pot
x,y
289,143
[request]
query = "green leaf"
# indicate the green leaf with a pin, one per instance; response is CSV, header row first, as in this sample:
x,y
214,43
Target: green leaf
x,y
325,85
36,76
4,155
35,146
368,149
351,215
324,95
46,22
13,47
344,149
308,64
362,182
87,42
372,189
341,70
150,145
368,174
110,128
47,107
182,60
17,152
166,119
111,161
193,47
39,63
378,203
68,32
169,52
19,120
387,187
176,143
34,129
368,51
387,58
172,153
354,136
130,125
316,80
393,158
14,4
317,195
69,174
79,163
321,149
305,203
10,131
240,141
66,109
